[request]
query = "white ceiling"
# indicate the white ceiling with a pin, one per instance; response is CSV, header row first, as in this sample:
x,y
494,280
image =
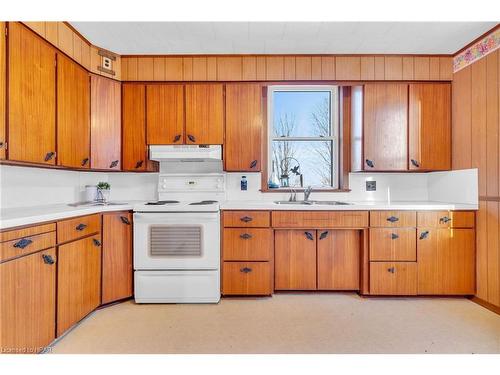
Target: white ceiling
x,y
129,38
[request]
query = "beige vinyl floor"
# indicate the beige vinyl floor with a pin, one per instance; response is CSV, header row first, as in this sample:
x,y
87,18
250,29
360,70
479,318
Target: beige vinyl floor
x,y
290,323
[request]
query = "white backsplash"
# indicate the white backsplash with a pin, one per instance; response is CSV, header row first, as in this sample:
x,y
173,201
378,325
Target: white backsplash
x,y
26,186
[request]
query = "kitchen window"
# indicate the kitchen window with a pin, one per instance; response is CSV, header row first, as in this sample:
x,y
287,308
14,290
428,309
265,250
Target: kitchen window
x,y
303,134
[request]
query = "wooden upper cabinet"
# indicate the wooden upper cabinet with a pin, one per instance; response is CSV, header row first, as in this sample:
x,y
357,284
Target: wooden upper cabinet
x,y
165,114
105,123
204,114
73,114
243,141
295,260
134,127
32,97
3,90
385,127
116,256
27,303
430,126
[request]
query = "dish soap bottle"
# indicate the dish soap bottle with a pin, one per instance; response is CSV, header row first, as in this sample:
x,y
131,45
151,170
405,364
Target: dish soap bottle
x,y
244,183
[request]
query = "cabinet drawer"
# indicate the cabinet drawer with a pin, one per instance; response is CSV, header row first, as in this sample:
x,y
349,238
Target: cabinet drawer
x,y
26,232
393,278
320,219
446,219
250,278
247,244
69,230
391,219
393,244
26,245
246,219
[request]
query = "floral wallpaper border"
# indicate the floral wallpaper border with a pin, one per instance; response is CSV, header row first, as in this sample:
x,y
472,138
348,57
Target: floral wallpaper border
x,y
485,46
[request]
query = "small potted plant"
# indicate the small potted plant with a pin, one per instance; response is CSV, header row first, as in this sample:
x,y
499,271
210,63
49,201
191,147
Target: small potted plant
x,y
103,190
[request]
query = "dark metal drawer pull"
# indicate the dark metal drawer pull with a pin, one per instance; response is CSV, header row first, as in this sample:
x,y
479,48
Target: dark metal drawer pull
x,y
369,163
113,164
393,219
323,235
22,243
47,259
394,236
85,161
139,164
253,164
444,219
125,220
191,138
96,242
415,163
49,155
424,234
246,219
309,236
245,236
81,226
177,138
391,270
245,270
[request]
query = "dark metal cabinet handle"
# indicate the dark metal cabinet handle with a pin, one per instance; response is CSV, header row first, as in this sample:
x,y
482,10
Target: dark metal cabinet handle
x,y
96,242
81,226
394,236
113,164
309,236
177,138
323,235
49,155
391,270
369,163
245,236
1,144
139,164
47,259
191,138
424,234
245,270
85,161
415,163
125,220
253,164
444,219
246,219
393,219
22,243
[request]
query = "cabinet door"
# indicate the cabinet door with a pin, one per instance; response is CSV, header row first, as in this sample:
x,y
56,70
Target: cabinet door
x,y
116,256
295,260
73,114
106,108
338,259
3,90
134,127
385,135
32,97
430,126
27,302
165,114
204,114
446,261
78,281
393,278
243,141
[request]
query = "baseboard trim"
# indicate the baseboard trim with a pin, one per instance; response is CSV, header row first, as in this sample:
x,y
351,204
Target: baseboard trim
x,y
489,306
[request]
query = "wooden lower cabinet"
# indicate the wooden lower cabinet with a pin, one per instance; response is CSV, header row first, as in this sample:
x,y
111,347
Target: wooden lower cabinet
x,y
27,302
393,278
78,281
295,259
446,261
247,278
393,244
338,259
251,244
116,256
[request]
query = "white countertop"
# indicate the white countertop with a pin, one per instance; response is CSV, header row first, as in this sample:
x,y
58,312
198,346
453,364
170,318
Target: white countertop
x,y
14,217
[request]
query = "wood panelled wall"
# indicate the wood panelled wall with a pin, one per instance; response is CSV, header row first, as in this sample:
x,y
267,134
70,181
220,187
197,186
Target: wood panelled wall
x,y
286,68
72,44
476,143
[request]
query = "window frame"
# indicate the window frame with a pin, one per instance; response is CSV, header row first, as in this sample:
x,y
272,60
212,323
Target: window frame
x,y
335,108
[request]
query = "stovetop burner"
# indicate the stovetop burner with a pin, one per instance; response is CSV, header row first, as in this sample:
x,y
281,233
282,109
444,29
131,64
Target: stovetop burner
x,y
202,203
160,203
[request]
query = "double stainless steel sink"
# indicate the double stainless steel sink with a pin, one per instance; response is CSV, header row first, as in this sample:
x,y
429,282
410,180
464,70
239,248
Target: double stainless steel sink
x,y
313,203
92,204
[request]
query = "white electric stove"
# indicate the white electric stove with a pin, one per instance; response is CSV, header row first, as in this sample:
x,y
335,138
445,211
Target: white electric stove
x,y
177,237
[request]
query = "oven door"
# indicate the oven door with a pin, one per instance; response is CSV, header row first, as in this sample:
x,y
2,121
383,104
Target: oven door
x,y
176,240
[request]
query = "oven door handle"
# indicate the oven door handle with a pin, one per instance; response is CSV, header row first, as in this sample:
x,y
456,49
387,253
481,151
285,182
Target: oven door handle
x,y
175,217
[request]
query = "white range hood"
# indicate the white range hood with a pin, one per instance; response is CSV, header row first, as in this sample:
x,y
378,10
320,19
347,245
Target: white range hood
x,y
188,153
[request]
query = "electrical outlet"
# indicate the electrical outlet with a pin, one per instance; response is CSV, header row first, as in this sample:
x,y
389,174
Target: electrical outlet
x,y
371,185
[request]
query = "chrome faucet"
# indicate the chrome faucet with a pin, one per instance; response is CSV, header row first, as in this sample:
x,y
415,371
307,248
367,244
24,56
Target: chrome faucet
x,y
293,195
307,193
